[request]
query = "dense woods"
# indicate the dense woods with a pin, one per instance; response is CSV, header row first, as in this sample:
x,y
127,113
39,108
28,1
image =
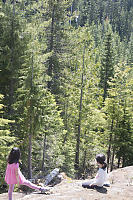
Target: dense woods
x,y
66,84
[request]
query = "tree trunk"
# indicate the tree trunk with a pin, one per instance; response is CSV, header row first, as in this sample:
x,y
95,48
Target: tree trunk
x,y
11,92
30,157
84,161
109,147
113,153
66,125
109,152
50,68
78,135
123,161
44,151
105,85
31,127
119,159
84,155
76,165
112,161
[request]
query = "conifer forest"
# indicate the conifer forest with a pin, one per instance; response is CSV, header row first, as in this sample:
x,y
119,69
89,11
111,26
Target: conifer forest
x,y
66,84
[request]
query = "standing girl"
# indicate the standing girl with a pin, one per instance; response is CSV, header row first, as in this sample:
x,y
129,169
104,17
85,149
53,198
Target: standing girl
x,y
101,176
13,174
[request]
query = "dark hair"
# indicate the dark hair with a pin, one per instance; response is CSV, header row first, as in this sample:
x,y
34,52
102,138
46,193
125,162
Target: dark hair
x,y
100,158
14,155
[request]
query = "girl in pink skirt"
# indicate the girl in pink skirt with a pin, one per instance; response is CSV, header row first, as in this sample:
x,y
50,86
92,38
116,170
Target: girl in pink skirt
x,y
14,176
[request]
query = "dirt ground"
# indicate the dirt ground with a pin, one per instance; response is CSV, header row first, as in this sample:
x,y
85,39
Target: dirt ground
x,y
121,188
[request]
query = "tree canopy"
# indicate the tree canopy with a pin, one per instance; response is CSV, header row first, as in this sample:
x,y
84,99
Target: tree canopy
x,y
66,86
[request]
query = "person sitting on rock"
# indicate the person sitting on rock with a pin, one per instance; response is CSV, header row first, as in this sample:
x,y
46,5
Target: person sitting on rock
x,y
101,176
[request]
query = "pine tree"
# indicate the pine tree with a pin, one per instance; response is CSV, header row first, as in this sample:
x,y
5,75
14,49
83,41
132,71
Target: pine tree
x,y
107,61
130,51
118,110
80,97
50,136
55,12
6,140
12,45
32,96
28,95
118,12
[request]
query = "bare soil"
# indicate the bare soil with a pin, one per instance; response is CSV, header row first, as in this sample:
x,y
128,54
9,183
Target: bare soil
x,y
121,189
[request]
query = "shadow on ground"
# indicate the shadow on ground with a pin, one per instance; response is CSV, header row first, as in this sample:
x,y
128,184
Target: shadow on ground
x,y
102,190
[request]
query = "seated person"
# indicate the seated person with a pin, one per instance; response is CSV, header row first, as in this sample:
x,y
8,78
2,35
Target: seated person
x,y
101,177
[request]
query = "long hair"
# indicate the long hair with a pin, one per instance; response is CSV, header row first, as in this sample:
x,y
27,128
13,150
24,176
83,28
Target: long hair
x,y
100,158
14,156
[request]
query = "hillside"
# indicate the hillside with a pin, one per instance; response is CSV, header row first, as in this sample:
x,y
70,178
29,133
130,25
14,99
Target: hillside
x,y
121,188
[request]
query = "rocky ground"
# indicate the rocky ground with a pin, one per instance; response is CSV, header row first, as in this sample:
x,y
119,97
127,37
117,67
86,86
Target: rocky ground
x,y
121,188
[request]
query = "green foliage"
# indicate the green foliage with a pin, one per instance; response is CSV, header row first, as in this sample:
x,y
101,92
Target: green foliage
x,y
107,60
59,60
130,51
6,140
119,111
12,48
49,139
83,53
56,40
37,115
118,12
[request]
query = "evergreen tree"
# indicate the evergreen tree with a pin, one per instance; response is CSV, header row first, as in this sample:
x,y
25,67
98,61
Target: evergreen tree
x,y
55,14
12,47
119,13
29,93
59,61
80,98
107,61
118,110
6,141
130,51
32,99
49,140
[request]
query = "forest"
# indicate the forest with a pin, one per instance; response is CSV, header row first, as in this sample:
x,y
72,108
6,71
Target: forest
x,y
66,84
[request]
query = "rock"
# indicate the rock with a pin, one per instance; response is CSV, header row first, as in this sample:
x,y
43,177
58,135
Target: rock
x,y
122,176
68,189
51,176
